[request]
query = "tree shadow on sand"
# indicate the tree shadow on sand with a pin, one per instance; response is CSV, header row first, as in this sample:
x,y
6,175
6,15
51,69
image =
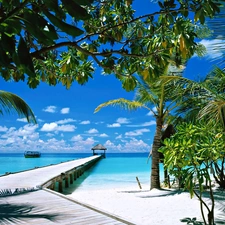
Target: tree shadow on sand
x,y
219,197
15,213
159,193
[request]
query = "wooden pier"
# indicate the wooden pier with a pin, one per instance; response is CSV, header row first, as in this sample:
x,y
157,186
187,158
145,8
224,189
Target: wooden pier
x,y
28,198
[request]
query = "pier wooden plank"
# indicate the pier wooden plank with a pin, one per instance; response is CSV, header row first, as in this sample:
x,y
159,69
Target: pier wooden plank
x,y
42,207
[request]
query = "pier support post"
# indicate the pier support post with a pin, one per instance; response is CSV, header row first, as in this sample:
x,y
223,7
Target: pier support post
x,y
75,175
66,182
60,186
52,186
71,178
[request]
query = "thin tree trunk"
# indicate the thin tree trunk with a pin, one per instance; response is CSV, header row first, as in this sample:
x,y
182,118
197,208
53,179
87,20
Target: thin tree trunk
x,y
155,179
166,178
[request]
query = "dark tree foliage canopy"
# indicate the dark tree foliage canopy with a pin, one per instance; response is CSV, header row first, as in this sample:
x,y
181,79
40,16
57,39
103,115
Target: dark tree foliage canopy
x,y
61,41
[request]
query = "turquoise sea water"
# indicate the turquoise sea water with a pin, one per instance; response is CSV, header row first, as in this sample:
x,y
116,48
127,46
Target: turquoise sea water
x,y
116,170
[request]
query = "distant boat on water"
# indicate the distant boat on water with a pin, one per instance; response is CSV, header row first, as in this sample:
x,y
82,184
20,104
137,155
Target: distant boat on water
x,y
32,154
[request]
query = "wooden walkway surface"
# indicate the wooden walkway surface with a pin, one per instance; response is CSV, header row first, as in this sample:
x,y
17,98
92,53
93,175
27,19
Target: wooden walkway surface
x,y
36,177
44,206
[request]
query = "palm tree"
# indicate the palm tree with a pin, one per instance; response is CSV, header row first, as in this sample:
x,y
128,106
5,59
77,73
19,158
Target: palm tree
x,y
201,100
148,95
10,102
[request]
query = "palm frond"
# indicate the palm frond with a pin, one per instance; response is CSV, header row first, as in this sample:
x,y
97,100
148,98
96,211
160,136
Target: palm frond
x,y
217,26
146,94
122,103
10,102
214,111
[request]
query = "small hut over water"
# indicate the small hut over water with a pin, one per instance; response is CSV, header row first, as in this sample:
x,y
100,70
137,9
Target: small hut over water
x,y
99,147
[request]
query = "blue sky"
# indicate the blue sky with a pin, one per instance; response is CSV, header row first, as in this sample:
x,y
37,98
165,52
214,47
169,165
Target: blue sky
x,y
66,119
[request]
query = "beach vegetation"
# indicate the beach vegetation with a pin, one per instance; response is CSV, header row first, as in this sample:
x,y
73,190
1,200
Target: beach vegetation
x,y
195,154
63,41
205,101
166,133
158,98
10,102
190,155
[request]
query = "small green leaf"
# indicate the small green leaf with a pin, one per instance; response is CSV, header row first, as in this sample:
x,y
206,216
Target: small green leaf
x,y
4,59
67,28
202,18
52,5
25,58
8,43
129,83
75,10
84,2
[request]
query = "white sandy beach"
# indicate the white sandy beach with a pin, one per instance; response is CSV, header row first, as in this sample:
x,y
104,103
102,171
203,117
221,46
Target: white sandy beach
x,y
144,207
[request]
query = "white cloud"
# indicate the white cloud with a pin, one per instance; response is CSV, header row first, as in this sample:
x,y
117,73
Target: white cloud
x,y
112,146
213,51
50,109
27,130
55,139
3,129
114,125
65,121
89,141
103,135
51,127
92,131
137,132
65,110
100,122
66,128
17,140
77,138
85,122
146,124
135,145
50,135
81,145
150,123
54,145
119,136
150,113
24,120
122,120
108,143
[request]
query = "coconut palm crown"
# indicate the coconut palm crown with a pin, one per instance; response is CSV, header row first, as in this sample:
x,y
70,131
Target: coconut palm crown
x,y
149,95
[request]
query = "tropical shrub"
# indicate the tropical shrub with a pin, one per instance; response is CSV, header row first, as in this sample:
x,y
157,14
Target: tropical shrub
x,y
189,155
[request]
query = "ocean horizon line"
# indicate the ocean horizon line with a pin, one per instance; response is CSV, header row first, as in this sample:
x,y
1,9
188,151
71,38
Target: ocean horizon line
x,y
76,152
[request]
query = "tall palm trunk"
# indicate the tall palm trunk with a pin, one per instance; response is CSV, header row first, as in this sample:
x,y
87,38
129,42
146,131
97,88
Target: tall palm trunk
x,y
155,179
